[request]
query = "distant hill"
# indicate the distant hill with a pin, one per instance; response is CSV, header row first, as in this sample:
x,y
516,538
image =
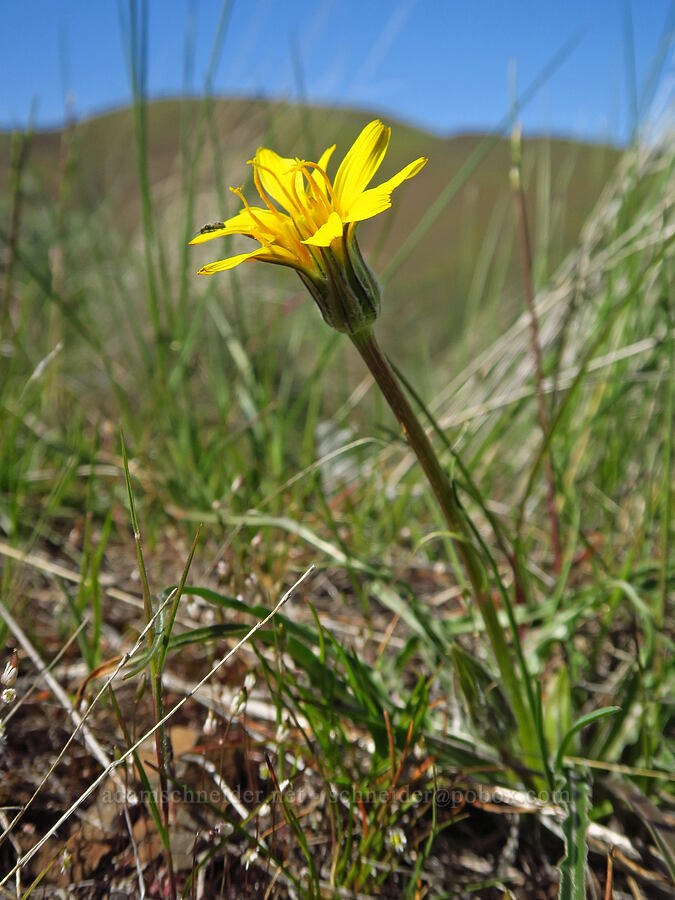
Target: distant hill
x,y
466,260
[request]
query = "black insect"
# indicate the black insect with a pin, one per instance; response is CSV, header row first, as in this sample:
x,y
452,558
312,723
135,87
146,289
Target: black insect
x,y
214,227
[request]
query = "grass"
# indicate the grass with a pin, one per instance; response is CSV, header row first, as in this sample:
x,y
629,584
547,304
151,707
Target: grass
x,y
358,742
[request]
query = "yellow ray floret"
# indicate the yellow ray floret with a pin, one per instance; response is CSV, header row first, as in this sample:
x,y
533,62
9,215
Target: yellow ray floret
x,y
304,215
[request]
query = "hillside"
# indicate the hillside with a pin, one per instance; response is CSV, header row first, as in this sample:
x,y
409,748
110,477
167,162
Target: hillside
x,y
448,272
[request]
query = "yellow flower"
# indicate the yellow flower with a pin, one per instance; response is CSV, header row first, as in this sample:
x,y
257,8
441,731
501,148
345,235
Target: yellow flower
x,y
307,222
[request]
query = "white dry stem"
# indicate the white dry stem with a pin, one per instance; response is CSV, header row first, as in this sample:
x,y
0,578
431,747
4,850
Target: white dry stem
x,y
78,720
219,781
526,802
45,565
110,768
243,813
42,365
563,381
137,859
25,695
4,822
90,741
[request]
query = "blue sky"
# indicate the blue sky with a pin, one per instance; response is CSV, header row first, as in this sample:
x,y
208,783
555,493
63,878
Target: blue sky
x,y
446,65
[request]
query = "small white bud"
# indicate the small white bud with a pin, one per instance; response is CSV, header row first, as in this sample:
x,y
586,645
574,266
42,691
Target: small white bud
x,y
238,702
211,724
11,670
192,608
65,862
396,840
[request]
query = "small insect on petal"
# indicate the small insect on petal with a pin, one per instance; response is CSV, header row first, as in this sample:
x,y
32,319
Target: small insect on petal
x,y
214,226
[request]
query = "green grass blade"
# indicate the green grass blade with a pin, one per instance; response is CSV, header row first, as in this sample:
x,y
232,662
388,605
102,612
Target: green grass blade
x,y
573,865
581,723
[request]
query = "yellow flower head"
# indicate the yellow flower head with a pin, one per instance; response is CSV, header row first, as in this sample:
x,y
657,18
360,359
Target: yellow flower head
x,y
307,222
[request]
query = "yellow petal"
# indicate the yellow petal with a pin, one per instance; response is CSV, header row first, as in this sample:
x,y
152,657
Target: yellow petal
x,y
252,221
223,264
370,203
325,157
360,164
376,200
233,226
317,179
278,176
406,172
327,233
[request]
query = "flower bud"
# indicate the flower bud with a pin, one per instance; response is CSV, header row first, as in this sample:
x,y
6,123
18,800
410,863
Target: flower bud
x,y
11,670
348,294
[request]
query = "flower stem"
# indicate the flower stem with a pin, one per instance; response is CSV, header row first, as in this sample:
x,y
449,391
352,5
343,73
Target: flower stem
x,y
443,488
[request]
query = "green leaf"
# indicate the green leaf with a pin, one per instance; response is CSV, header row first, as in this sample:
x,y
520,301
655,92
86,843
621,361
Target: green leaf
x,y
256,612
213,633
486,705
140,660
558,707
578,725
166,631
573,865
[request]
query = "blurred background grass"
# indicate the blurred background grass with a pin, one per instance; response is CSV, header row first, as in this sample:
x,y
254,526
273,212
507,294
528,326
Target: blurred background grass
x,y
85,248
